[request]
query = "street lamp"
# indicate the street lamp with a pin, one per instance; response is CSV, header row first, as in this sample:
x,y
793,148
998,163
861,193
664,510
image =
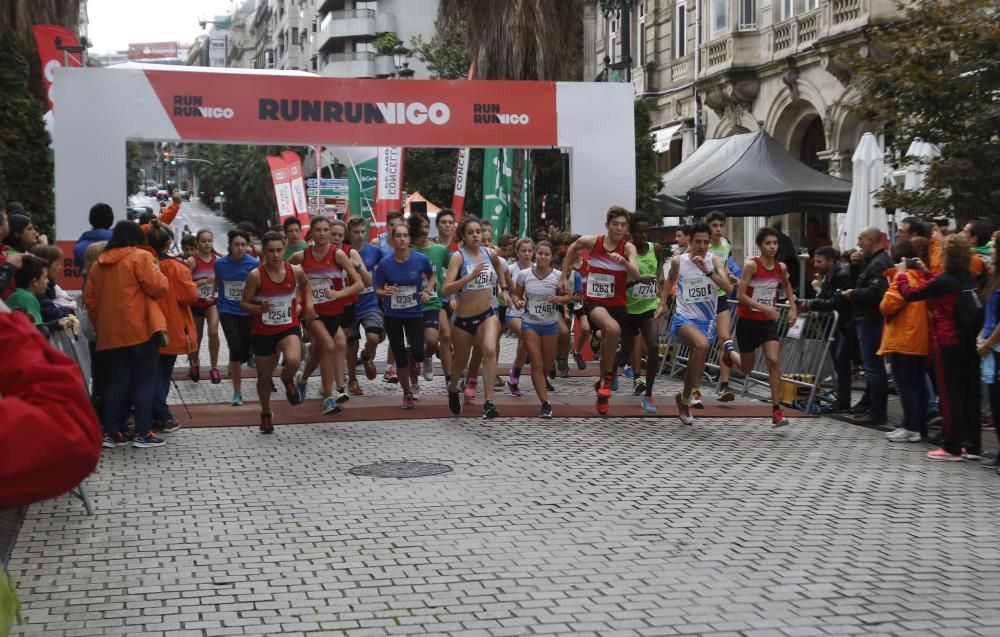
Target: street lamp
x,y
401,58
621,10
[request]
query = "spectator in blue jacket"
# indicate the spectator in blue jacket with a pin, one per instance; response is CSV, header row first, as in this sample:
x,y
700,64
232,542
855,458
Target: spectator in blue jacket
x,y
101,219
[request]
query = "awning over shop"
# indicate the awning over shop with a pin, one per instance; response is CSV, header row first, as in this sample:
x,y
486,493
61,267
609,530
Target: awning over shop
x,y
663,138
749,175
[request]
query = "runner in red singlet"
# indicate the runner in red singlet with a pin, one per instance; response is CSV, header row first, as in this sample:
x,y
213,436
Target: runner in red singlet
x,y
757,326
612,262
202,264
271,296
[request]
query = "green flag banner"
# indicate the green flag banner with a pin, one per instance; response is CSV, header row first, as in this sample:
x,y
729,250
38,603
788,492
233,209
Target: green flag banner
x,y
361,189
498,182
525,195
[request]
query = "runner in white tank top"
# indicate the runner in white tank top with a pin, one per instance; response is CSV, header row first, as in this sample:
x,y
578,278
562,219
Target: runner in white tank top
x,y
698,275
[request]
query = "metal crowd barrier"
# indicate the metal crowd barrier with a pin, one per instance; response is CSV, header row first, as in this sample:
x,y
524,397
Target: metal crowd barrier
x,y
78,349
10,524
804,356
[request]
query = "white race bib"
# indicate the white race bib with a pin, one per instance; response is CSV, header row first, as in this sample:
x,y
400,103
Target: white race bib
x,y
207,291
367,290
541,309
764,296
319,288
642,291
233,290
600,286
279,314
698,290
404,297
482,282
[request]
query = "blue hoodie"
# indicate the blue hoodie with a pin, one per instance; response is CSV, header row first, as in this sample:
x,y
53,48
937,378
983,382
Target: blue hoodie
x,y
88,237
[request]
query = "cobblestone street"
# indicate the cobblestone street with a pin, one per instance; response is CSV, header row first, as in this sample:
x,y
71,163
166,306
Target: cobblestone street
x,y
576,526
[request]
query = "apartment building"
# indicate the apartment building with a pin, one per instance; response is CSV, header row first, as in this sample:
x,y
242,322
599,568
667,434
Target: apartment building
x,y
713,68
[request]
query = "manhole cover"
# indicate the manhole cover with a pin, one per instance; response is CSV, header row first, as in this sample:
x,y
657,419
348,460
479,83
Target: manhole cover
x,y
401,469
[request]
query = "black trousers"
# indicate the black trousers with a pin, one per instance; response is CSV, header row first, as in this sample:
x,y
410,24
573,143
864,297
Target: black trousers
x,y
958,386
402,331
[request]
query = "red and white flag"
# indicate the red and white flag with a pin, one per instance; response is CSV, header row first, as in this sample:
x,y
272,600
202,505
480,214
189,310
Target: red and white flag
x,y
461,176
389,191
282,187
298,184
46,36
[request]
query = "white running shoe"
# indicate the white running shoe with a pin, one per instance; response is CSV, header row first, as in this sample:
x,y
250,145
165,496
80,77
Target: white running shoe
x,y
904,435
428,370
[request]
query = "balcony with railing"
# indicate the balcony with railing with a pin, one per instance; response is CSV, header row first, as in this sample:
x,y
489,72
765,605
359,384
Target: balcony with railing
x,y
349,64
797,34
352,24
680,72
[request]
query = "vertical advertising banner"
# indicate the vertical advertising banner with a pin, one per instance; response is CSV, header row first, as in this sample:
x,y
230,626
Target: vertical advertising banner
x,y
389,191
461,176
294,165
46,36
362,177
282,187
318,150
498,182
525,217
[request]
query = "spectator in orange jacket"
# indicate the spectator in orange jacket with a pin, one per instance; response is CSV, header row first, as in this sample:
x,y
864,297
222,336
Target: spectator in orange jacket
x,y
906,343
48,430
176,308
120,296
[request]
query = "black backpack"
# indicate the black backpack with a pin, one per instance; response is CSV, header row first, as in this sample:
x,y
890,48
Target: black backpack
x,y
969,313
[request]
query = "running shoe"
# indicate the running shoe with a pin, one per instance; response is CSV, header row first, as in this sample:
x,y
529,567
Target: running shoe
x,y
215,375
354,388
429,370
941,454
300,383
638,387
614,383
331,406
454,402
414,372
778,419
603,397
971,455
578,358
552,373
548,386
470,390
647,404
292,393
903,435
266,426
515,391
237,399
342,395
170,426
415,390
695,401
546,410
683,411
194,373
390,376
726,395
563,366
490,411
117,440
408,401
728,353
370,371
627,373
148,440
499,382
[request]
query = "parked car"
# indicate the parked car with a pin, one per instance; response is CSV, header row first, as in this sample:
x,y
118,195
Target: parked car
x,y
132,213
162,194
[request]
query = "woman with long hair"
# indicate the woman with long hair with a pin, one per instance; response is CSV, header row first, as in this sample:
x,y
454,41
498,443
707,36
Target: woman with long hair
x,y
202,266
472,277
176,308
524,250
120,295
327,265
231,273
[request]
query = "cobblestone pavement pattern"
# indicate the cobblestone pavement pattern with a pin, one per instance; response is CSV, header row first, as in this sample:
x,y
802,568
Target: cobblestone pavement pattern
x,y
600,527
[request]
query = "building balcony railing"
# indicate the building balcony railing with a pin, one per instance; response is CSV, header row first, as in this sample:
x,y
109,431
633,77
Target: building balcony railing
x,y
798,33
717,54
353,24
352,64
680,72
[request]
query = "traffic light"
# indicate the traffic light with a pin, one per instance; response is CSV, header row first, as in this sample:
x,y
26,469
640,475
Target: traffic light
x,y
222,194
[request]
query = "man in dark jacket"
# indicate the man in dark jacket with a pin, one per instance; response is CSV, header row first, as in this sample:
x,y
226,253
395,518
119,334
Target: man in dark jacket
x,y
834,278
865,297
101,219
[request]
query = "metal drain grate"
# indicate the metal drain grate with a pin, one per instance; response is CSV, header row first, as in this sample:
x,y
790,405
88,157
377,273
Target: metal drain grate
x,y
400,469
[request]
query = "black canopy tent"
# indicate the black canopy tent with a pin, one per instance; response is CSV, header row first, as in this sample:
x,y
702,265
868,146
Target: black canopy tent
x,y
749,175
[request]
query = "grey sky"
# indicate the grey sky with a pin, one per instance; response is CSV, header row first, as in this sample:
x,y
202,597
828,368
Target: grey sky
x,y
116,23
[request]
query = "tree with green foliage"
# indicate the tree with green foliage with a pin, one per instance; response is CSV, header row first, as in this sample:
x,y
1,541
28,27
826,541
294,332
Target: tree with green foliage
x,y
242,173
25,160
648,180
133,169
934,75
446,55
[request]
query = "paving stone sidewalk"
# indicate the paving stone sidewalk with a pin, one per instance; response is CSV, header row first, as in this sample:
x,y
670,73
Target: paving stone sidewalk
x,y
583,527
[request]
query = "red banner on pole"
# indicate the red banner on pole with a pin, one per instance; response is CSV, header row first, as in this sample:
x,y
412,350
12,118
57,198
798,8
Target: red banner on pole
x,y
298,184
282,187
49,38
389,186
